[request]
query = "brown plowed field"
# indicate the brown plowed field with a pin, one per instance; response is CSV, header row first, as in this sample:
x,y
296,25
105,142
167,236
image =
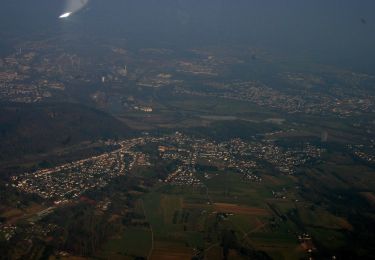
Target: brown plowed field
x,y
237,209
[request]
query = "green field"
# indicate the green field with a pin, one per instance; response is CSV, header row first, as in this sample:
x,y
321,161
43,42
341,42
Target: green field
x,y
133,242
166,209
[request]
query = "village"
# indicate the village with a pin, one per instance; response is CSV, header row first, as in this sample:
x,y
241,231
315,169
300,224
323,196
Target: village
x,y
315,104
67,182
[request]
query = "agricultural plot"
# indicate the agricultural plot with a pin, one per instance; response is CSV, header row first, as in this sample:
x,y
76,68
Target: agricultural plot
x,y
133,242
196,218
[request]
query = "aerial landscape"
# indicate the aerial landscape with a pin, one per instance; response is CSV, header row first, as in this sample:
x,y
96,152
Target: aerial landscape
x,y
186,129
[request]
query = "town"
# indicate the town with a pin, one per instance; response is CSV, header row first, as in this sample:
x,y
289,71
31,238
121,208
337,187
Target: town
x,y
67,182
262,95
33,75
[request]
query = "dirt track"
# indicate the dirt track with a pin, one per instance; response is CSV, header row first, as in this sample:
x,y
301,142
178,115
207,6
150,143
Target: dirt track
x,y
233,208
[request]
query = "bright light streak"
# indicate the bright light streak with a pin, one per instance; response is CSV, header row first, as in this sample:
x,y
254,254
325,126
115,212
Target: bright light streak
x,y
65,15
72,7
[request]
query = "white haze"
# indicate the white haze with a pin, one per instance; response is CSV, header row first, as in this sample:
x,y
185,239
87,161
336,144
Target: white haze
x,y
73,6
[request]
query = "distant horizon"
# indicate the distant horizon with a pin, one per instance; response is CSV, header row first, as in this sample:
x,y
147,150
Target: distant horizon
x,y
323,31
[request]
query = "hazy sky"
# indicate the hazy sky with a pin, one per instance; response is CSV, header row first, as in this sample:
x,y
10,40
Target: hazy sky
x,y
331,29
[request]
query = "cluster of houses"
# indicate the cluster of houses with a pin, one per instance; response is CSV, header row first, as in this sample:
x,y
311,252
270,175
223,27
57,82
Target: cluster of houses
x,y
69,181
